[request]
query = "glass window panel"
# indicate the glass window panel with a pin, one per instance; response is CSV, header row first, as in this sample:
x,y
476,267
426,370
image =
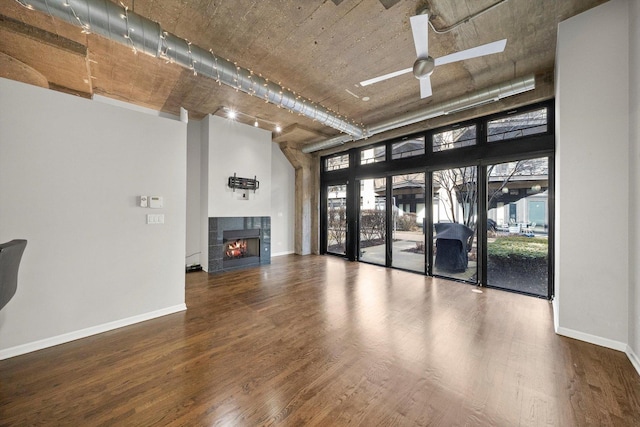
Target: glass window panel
x,y
408,235
337,162
408,148
517,226
373,223
372,155
517,125
454,138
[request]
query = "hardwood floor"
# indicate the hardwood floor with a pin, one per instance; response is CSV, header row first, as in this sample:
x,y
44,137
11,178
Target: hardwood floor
x,y
320,341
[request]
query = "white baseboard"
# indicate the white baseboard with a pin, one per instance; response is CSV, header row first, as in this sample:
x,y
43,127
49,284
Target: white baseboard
x,y
593,339
83,333
635,360
282,253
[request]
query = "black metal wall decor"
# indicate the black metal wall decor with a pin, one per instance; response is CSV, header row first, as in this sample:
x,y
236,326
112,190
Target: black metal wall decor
x,y
243,183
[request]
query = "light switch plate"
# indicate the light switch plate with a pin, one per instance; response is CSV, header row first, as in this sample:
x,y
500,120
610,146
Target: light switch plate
x,y
155,218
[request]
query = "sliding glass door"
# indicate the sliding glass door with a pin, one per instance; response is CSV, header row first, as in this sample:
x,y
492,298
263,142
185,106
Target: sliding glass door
x,y
408,196
373,221
336,203
455,210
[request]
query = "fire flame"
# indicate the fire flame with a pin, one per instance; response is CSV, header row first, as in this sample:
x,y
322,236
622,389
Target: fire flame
x,y
236,249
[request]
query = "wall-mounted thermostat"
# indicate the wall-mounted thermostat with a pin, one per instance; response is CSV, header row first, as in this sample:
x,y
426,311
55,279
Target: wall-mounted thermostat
x,y
155,202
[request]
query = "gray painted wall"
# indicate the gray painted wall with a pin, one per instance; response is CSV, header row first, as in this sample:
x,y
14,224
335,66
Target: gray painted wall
x,y
70,174
597,185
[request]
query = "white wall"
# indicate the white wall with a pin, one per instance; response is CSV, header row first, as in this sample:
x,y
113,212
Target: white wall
x,y
70,173
246,151
592,101
223,147
634,186
283,189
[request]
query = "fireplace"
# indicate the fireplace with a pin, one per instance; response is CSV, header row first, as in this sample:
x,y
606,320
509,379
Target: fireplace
x,y
238,242
241,247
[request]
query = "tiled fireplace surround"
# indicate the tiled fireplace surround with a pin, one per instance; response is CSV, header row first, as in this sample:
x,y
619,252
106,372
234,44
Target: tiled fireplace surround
x,y
217,225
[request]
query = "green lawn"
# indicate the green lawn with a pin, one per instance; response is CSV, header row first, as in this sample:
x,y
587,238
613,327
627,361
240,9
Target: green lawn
x,y
518,247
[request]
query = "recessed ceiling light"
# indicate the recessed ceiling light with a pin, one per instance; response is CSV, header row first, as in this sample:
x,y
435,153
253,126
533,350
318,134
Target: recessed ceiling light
x,y
231,114
365,98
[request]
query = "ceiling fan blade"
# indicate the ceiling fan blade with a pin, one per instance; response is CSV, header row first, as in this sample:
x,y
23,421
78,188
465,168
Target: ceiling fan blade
x,y
425,87
474,52
385,77
420,27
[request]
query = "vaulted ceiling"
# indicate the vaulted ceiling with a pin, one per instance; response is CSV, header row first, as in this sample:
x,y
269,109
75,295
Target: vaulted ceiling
x,y
321,49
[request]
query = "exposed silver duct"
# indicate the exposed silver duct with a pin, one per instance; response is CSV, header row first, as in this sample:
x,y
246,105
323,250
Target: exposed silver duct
x,y
117,23
481,97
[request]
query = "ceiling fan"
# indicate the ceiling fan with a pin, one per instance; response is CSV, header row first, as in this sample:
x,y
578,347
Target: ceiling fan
x,y
424,65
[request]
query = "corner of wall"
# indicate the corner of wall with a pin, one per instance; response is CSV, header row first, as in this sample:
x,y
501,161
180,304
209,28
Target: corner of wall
x,y
633,357
634,187
282,203
204,193
194,149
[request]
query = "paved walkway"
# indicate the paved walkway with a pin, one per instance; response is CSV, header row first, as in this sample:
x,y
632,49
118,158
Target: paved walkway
x,y
409,260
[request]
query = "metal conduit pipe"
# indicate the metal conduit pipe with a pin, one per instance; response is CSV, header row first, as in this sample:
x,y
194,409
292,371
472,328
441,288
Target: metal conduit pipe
x,y
464,102
117,23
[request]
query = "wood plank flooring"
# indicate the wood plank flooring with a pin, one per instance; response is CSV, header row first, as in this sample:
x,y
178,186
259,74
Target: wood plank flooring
x,y
316,340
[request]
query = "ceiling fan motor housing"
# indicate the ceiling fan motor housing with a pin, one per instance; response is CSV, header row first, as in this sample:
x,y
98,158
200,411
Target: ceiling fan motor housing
x,y
423,67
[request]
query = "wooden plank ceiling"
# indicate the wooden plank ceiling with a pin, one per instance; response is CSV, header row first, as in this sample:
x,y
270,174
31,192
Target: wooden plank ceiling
x,y
319,48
